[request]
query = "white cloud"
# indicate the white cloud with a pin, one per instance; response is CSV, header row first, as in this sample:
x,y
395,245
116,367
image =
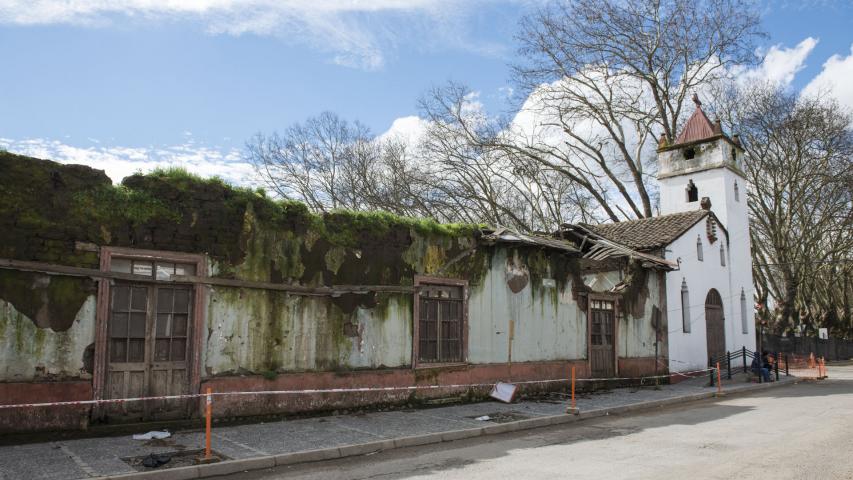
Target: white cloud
x,y
355,33
409,130
835,79
119,162
780,64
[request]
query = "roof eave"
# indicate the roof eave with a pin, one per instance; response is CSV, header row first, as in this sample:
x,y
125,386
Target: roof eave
x,y
720,136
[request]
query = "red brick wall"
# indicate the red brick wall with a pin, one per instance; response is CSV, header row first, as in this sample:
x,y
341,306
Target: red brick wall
x,y
44,418
448,375
641,366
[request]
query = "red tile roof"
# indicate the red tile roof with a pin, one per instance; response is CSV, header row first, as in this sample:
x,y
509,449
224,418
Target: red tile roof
x,y
698,126
649,233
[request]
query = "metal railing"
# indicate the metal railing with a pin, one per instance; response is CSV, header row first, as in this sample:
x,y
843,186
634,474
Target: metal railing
x,y
745,356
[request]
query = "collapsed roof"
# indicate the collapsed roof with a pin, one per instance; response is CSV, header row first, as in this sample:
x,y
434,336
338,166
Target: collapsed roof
x,y
577,240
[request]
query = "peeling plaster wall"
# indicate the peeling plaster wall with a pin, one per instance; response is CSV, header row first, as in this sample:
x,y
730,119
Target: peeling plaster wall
x,y
636,334
30,353
253,331
547,324
522,300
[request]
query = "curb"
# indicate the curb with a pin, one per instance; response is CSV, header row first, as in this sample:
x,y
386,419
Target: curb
x,y
257,463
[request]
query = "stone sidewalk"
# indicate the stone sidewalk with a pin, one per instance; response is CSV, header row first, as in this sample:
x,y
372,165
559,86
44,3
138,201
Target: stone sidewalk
x,y
263,445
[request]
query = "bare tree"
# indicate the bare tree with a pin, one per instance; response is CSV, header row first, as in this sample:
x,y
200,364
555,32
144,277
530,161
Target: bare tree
x,y
604,76
315,161
800,169
478,182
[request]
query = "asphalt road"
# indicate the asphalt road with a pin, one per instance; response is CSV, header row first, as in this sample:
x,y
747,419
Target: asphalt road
x,y
801,431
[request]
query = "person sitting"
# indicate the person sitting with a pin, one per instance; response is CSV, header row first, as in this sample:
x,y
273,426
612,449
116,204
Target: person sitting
x,y
758,368
768,361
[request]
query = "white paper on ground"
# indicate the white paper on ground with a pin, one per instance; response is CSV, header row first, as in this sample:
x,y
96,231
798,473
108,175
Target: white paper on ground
x,y
503,392
484,418
152,435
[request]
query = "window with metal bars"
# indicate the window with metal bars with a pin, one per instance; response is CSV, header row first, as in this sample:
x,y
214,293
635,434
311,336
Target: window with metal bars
x,y
440,324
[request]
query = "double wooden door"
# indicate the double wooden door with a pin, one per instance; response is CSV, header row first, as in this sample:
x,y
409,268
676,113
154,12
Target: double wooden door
x,y
149,349
602,341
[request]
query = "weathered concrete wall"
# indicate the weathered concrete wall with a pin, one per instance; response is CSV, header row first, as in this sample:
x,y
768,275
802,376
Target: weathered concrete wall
x,y
28,352
526,315
636,334
539,322
523,309
254,331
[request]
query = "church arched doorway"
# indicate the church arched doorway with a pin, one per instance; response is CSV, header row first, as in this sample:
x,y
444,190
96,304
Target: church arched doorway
x,y
715,324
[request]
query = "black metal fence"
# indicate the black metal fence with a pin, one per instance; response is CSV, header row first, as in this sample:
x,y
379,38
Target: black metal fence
x,y
831,349
742,360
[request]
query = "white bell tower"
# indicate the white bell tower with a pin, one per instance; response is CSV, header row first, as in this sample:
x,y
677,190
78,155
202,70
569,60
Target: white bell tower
x,y
704,162
703,168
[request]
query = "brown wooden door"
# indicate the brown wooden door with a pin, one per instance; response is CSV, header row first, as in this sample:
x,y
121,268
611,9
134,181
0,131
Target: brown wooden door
x,y
148,347
602,348
715,324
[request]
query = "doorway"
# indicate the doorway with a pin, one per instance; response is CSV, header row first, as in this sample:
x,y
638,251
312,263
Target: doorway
x,y
150,331
715,324
602,341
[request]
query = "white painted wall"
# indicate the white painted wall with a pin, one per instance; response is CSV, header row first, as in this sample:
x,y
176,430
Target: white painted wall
x,y
715,176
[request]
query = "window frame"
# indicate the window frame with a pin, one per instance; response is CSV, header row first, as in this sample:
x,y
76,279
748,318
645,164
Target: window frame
x,y
691,191
424,280
700,249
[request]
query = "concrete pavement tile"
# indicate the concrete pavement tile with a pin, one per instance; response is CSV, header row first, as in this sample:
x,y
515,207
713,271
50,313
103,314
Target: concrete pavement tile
x,y
44,461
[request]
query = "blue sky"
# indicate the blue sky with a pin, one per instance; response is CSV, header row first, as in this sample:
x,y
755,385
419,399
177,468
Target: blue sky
x,y
130,85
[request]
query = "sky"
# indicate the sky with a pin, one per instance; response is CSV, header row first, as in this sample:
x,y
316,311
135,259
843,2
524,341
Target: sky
x,y
129,85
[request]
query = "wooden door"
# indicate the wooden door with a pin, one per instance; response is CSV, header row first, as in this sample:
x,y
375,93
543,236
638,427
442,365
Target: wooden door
x,y
602,347
715,324
148,332
127,375
168,372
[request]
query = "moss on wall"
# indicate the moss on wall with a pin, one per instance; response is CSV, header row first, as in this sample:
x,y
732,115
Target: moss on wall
x,y
250,235
49,301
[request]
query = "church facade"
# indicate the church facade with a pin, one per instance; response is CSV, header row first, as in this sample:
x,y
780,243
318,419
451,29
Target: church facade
x,y
703,226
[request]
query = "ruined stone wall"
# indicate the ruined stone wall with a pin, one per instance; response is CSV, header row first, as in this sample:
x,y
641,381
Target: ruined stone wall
x,y
523,304
60,213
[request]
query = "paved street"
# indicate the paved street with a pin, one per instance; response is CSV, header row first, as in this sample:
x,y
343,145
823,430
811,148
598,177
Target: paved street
x,y
92,457
799,432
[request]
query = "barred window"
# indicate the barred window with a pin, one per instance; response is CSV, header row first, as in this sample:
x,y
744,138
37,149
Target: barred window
x,y
440,324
